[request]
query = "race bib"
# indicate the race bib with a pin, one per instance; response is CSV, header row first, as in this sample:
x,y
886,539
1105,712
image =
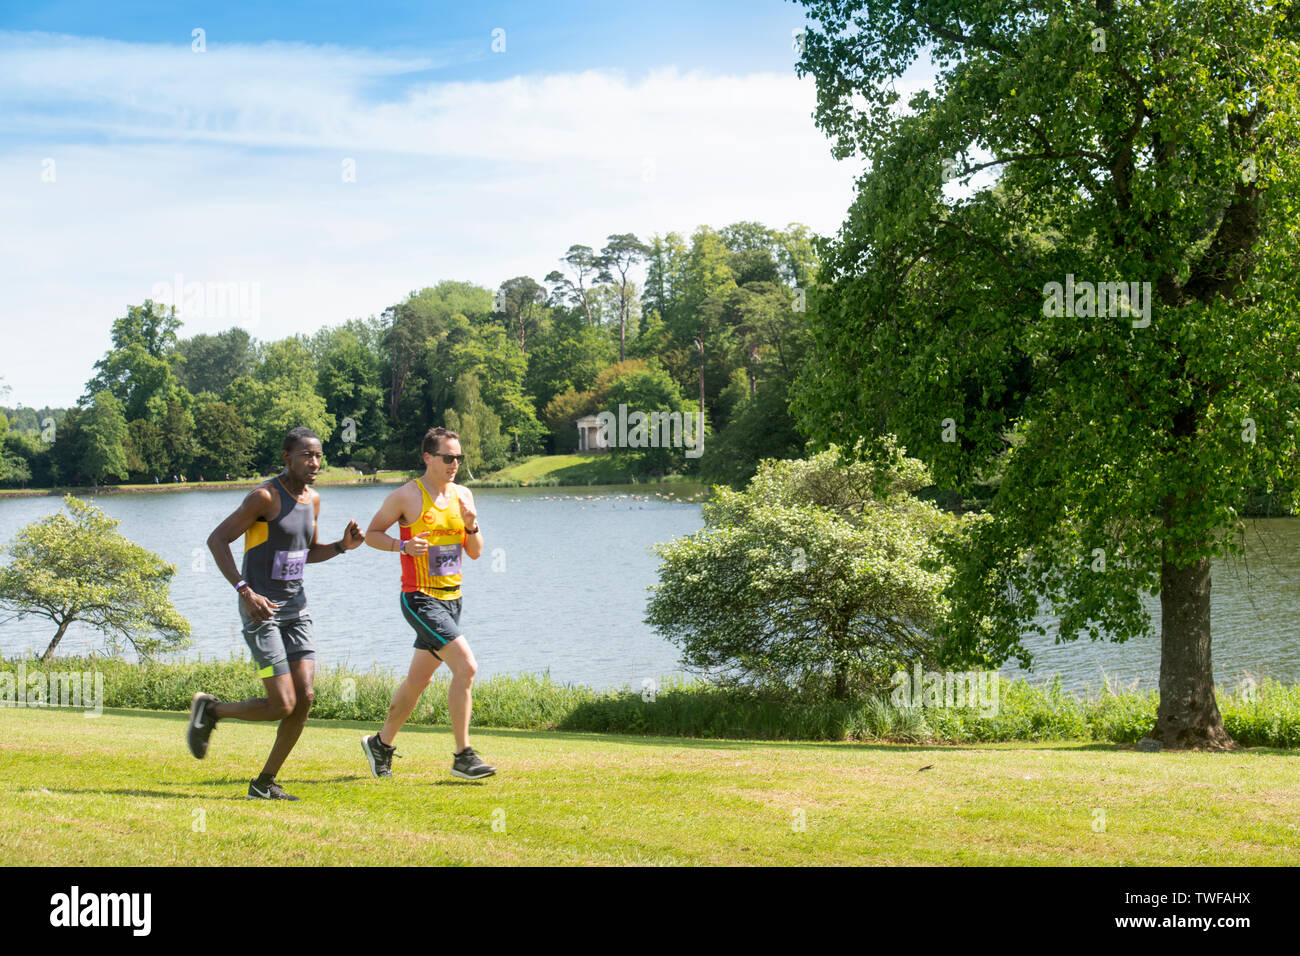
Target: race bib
x,y
444,559
288,565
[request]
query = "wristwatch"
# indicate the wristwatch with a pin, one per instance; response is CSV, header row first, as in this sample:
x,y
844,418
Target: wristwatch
x,y
473,530
338,546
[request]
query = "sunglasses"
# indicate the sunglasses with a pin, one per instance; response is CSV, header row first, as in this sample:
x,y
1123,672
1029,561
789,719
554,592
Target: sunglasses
x,y
448,459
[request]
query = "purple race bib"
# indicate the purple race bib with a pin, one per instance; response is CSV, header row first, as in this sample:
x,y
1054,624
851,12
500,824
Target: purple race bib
x,y
444,559
288,565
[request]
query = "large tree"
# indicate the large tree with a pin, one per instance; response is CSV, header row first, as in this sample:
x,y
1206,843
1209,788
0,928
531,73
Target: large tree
x,y
138,367
104,433
588,268
521,302
621,253
1152,144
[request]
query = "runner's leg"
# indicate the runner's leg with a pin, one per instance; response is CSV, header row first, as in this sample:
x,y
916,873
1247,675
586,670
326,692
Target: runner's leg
x,y
278,703
303,673
418,677
460,700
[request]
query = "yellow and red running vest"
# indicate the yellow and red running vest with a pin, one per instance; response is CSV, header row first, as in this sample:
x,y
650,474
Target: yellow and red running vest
x,y
437,574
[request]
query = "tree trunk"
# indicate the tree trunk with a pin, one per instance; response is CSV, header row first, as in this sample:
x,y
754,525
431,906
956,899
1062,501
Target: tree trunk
x,y
841,682
1188,716
57,637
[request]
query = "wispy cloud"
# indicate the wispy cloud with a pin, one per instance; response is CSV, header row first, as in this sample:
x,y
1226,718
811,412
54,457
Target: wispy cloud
x,y
227,165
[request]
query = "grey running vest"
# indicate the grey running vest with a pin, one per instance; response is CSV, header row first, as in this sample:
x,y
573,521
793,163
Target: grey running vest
x,y
275,553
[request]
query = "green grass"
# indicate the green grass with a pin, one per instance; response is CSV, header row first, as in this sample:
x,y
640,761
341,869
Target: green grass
x,y
122,789
588,468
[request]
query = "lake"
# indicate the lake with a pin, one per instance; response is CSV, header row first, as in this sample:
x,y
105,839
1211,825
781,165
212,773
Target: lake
x,y
562,587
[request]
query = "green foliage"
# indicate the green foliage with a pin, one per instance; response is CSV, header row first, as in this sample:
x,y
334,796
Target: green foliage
x,y
566,356
209,363
76,567
561,414
281,395
490,356
14,469
825,571
479,428
226,445
104,433
1150,143
350,384
759,427
137,370
217,403
648,390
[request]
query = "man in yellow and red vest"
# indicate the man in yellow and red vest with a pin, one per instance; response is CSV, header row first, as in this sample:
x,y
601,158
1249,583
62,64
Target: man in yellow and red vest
x,y
438,524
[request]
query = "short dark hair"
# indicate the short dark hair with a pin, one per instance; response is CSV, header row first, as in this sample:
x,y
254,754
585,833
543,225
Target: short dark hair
x,y
430,444
297,436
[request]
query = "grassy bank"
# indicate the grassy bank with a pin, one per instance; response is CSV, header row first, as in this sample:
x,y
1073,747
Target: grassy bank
x,y
122,790
578,469
1024,712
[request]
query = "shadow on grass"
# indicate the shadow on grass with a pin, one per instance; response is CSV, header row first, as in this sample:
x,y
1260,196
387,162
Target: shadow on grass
x,y
243,781
457,783
136,793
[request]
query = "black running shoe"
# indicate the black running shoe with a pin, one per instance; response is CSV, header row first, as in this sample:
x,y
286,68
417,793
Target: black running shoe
x,y
380,755
272,792
468,766
203,717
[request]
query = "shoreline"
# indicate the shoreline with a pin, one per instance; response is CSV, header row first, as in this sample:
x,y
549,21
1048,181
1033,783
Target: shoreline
x,y
178,486
160,488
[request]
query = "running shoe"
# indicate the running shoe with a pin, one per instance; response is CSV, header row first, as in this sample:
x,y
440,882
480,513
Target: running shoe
x,y
272,792
203,717
468,766
380,755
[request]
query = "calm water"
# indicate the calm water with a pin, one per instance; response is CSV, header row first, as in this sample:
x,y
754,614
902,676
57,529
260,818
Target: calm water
x,y
561,586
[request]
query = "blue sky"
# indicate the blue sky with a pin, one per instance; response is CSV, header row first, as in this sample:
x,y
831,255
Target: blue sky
x,y
749,36
327,159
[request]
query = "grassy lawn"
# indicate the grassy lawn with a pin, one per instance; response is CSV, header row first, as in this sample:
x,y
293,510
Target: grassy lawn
x,y
122,789
577,469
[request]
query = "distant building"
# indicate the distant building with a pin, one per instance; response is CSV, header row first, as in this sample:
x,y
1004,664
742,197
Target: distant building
x,y
589,436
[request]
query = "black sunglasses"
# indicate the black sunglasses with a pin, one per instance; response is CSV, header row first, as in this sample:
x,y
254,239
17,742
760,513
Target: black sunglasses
x,y
448,459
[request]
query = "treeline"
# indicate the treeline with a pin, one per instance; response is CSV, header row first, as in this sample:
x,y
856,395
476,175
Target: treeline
x,y
721,323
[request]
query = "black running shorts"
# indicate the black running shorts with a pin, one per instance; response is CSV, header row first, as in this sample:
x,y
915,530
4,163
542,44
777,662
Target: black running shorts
x,y
436,622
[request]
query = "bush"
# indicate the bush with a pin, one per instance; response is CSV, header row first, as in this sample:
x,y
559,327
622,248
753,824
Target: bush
x,y
821,570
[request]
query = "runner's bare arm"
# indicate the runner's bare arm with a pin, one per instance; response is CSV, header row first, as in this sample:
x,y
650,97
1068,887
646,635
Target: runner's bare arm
x,y
258,503
391,511
469,514
318,552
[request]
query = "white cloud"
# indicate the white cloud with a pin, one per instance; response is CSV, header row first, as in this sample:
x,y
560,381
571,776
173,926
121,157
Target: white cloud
x,y
226,166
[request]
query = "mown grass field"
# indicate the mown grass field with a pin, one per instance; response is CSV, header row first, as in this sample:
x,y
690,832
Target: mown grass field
x,y
584,468
122,789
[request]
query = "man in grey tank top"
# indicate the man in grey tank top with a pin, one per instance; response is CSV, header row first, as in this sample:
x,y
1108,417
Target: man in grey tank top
x,y
278,522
